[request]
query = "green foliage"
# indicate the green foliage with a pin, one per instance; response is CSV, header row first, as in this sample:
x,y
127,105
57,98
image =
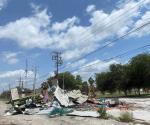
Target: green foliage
x,y
103,113
105,82
5,95
91,81
70,81
85,88
126,117
44,85
78,81
140,71
132,76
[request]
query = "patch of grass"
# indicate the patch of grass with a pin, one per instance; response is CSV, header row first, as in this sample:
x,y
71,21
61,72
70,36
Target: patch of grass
x,y
126,117
103,113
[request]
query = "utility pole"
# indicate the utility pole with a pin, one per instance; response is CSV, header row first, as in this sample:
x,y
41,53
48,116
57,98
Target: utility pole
x,y
56,57
34,82
8,96
20,82
9,86
26,71
21,85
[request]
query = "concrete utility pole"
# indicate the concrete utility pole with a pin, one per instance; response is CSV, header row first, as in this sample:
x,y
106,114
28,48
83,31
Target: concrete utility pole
x,y
26,71
9,86
34,83
21,85
58,61
20,82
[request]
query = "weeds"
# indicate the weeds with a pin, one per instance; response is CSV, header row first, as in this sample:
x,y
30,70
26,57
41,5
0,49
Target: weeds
x,y
103,113
126,117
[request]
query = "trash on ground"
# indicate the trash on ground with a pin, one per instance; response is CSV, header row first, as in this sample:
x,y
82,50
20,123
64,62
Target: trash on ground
x,y
72,103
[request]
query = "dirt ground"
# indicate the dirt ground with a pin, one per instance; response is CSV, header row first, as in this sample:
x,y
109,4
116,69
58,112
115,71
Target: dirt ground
x,y
45,120
64,120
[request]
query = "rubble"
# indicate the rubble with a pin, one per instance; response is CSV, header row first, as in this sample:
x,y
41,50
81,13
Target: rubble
x,y
72,103
77,96
62,97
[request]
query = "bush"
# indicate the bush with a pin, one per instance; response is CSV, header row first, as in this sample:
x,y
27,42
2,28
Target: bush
x,y
126,117
103,113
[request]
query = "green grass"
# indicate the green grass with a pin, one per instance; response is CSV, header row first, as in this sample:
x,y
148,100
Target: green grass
x,y
103,113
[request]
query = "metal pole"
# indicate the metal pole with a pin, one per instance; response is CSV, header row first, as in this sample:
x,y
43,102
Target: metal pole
x,y
35,73
58,62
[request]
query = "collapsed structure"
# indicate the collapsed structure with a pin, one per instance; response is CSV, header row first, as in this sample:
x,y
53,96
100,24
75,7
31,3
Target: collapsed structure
x,y
62,103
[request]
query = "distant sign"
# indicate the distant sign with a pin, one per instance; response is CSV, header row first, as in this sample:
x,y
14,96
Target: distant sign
x,y
14,94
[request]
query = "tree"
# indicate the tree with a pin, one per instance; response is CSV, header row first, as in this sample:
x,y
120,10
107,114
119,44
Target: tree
x,y
85,88
105,82
131,76
44,85
120,77
79,81
140,71
91,81
70,81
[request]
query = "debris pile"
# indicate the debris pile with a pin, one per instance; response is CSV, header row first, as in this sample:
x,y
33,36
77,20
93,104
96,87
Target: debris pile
x,y
72,103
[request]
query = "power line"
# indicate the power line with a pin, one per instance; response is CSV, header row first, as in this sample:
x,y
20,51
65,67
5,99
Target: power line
x,y
108,26
122,14
111,58
110,42
111,24
134,30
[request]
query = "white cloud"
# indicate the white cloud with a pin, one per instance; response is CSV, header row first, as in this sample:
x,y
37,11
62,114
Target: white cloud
x,y
10,57
90,8
15,74
3,4
12,78
29,32
143,20
75,40
147,4
38,31
76,64
66,24
35,8
96,66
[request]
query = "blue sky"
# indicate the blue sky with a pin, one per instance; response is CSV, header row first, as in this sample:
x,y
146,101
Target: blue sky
x,y
33,29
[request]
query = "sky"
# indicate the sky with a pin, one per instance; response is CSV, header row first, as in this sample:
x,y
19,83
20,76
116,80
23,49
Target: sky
x,y
33,29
